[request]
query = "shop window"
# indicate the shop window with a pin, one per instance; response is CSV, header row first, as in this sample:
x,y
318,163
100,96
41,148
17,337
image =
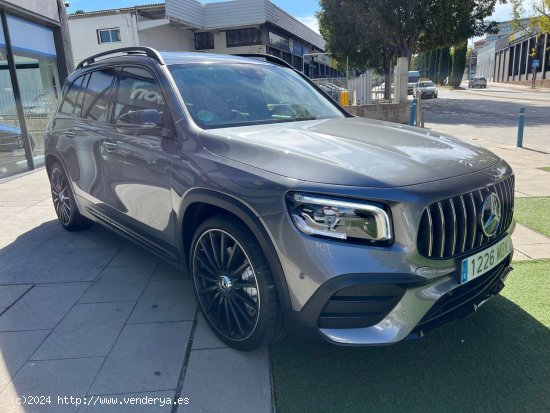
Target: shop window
x,y
39,84
204,41
108,35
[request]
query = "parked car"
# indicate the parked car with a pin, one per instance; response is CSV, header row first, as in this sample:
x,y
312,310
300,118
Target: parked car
x,y
285,210
11,139
477,82
412,79
425,89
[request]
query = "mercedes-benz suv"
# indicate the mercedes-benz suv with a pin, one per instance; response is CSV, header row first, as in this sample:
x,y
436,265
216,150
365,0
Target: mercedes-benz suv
x,y
288,213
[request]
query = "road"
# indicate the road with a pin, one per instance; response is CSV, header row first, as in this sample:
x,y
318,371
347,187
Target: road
x,y
490,115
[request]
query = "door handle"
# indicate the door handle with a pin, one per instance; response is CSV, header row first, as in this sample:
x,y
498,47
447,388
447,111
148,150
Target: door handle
x,y
71,134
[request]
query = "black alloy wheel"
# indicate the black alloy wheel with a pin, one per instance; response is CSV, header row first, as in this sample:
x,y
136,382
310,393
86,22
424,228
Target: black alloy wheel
x,y
63,200
233,284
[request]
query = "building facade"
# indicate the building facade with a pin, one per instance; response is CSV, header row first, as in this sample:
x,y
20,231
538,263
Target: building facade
x,y
230,27
517,53
514,57
485,62
34,64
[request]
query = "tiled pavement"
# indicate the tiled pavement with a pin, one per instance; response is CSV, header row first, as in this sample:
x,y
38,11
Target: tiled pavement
x,y
89,314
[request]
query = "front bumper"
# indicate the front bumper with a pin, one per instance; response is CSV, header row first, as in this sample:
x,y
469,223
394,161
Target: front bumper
x,y
416,311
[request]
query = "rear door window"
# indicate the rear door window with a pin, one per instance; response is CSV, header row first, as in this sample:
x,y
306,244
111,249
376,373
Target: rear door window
x,y
96,101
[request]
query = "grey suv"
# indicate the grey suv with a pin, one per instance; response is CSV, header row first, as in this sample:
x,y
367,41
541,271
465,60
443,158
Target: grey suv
x,y
285,210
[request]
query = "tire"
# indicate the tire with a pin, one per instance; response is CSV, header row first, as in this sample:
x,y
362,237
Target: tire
x,y
234,284
63,200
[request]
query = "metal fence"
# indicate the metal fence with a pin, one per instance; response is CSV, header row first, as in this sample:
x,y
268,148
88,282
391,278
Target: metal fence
x,y
368,88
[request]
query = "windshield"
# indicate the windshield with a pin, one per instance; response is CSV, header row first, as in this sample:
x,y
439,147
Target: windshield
x,y
235,94
426,84
414,78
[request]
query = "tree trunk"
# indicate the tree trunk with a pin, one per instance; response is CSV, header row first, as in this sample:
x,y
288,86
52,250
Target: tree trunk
x,y
387,76
459,64
444,65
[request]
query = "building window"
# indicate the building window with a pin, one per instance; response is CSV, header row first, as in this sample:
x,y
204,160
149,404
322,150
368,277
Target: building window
x,y
204,40
243,37
108,35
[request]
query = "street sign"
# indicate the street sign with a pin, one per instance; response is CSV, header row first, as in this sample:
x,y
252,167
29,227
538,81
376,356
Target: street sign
x,y
535,63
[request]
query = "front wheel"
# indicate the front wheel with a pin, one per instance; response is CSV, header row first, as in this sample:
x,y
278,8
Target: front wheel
x,y
234,284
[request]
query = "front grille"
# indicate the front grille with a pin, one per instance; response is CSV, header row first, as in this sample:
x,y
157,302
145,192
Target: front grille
x,y
451,227
360,306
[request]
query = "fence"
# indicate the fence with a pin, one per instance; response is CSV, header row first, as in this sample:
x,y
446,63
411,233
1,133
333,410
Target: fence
x,y
368,88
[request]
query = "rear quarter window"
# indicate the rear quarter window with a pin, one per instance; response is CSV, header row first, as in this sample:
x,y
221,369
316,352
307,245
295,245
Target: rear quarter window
x,y
96,101
70,106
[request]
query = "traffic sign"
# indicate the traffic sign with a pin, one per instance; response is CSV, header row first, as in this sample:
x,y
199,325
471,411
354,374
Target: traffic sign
x,y
535,63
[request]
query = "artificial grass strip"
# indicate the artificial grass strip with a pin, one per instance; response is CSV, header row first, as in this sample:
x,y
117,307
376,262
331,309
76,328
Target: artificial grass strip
x,y
498,359
534,212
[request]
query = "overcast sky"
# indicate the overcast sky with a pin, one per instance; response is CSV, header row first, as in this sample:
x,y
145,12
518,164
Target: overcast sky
x,y
304,10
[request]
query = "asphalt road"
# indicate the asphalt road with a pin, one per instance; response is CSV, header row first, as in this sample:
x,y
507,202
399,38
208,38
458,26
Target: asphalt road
x,y
491,115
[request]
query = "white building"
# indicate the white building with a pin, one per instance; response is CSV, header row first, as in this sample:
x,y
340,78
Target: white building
x,y
231,27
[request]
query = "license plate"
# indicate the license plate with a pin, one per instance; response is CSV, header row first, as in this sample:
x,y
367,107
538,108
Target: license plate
x,y
486,260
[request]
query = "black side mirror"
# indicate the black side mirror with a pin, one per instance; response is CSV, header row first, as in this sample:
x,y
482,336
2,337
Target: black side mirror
x,y
140,121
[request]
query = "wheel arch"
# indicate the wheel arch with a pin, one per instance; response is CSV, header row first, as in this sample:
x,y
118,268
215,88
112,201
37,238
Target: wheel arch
x,y
201,204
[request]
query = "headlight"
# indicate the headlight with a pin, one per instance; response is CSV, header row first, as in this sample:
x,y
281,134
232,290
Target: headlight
x,y
345,220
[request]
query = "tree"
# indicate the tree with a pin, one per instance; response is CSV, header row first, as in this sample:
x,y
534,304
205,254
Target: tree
x,y
374,31
542,12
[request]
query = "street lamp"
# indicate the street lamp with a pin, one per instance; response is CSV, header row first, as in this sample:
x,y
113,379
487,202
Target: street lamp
x,y
310,54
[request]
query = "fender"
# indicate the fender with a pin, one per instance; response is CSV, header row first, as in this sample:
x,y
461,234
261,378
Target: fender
x,y
251,220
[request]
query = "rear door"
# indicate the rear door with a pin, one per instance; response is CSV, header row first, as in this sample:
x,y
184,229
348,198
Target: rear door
x,y
137,168
79,131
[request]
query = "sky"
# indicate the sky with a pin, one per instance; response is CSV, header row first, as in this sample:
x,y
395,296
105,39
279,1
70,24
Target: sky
x,y
304,10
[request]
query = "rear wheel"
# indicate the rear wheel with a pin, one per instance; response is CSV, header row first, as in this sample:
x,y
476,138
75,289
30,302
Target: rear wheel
x,y
234,284
64,202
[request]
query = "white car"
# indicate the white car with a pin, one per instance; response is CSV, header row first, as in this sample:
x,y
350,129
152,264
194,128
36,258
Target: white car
x,y
425,89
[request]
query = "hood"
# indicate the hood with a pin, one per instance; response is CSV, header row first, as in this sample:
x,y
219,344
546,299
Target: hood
x,y
349,151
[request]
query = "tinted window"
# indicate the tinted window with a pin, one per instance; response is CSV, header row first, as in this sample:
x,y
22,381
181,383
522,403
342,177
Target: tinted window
x,y
204,40
137,90
243,37
96,100
71,98
221,95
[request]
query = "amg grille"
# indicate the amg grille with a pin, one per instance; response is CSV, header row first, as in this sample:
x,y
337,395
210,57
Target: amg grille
x,y
451,227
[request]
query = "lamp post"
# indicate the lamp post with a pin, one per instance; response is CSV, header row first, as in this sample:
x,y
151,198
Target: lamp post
x,y
310,54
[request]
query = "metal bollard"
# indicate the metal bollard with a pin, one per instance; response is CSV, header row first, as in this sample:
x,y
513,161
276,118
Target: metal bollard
x,y
413,112
521,124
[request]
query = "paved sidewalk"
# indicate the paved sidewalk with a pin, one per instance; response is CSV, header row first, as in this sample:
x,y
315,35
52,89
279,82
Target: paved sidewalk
x,y
89,314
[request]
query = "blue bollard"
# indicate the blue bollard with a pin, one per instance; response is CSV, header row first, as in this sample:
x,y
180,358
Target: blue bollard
x,y
521,124
413,112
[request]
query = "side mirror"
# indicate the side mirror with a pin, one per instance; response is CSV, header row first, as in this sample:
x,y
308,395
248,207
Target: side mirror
x,y
140,121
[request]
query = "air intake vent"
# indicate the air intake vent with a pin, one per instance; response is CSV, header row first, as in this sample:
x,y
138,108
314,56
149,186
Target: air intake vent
x,y
360,306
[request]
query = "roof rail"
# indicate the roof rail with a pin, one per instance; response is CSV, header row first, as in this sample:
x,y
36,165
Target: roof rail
x,y
269,58
136,50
